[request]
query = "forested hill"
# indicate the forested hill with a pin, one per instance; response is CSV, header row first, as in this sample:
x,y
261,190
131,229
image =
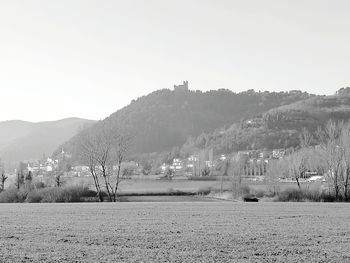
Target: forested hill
x,y
165,118
278,127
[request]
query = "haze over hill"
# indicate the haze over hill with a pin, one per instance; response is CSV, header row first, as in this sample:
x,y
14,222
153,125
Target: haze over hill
x,y
21,140
165,118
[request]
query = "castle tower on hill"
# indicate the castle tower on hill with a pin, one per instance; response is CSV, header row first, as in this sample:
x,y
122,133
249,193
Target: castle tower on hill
x,y
182,87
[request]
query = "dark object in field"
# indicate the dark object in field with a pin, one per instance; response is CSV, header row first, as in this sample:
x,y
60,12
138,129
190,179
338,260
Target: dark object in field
x,y
250,198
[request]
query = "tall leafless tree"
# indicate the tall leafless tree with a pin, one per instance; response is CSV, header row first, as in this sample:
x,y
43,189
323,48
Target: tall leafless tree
x,y
344,141
332,154
236,166
296,162
87,150
305,138
276,168
104,150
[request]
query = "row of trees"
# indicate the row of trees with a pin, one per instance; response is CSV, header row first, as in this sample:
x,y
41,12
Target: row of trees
x,y
103,151
326,152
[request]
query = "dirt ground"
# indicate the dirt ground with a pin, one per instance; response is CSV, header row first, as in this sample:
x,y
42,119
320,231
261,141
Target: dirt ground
x,y
175,232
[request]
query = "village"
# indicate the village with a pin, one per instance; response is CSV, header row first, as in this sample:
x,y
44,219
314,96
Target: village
x,y
202,164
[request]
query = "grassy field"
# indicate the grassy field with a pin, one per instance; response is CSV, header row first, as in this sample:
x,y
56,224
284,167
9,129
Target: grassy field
x,y
175,232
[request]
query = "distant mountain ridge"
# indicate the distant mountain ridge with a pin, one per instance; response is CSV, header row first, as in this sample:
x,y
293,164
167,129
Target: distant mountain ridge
x,y
165,118
22,140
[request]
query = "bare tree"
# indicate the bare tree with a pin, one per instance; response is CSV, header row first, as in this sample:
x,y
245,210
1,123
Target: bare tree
x,y
88,152
122,143
274,170
305,138
225,173
332,154
345,145
104,151
296,162
236,166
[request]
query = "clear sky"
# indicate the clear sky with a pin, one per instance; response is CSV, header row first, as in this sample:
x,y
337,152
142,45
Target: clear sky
x,y
84,58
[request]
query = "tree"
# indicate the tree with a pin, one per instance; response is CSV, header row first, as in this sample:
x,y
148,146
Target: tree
x,y
344,141
19,180
87,150
29,178
296,163
146,168
298,160
275,169
58,179
104,151
226,166
205,171
237,164
168,173
3,180
332,153
121,145
305,138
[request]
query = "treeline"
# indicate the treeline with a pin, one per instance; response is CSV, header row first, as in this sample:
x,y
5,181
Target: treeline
x,y
329,157
25,188
325,153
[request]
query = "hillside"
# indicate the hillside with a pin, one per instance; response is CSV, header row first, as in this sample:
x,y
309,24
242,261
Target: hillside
x,y
165,118
278,127
20,140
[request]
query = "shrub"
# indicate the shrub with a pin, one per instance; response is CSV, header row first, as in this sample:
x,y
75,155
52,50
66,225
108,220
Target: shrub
x,y
204,191
50,195
205,171
260,193
203,178
39,185
270,194
244,190
34,196
47,195
313,195
65,194
13,195
60,194
294,195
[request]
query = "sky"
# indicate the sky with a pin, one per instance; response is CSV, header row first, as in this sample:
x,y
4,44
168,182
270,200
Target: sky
x,y
89,58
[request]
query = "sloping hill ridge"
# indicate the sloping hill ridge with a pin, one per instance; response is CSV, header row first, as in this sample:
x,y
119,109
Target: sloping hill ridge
x,y
20,140
165,118
277,128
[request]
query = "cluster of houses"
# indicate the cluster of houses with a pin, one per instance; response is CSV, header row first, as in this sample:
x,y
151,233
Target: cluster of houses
x,y
48,166
254,163
42,167
45,166
204,163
